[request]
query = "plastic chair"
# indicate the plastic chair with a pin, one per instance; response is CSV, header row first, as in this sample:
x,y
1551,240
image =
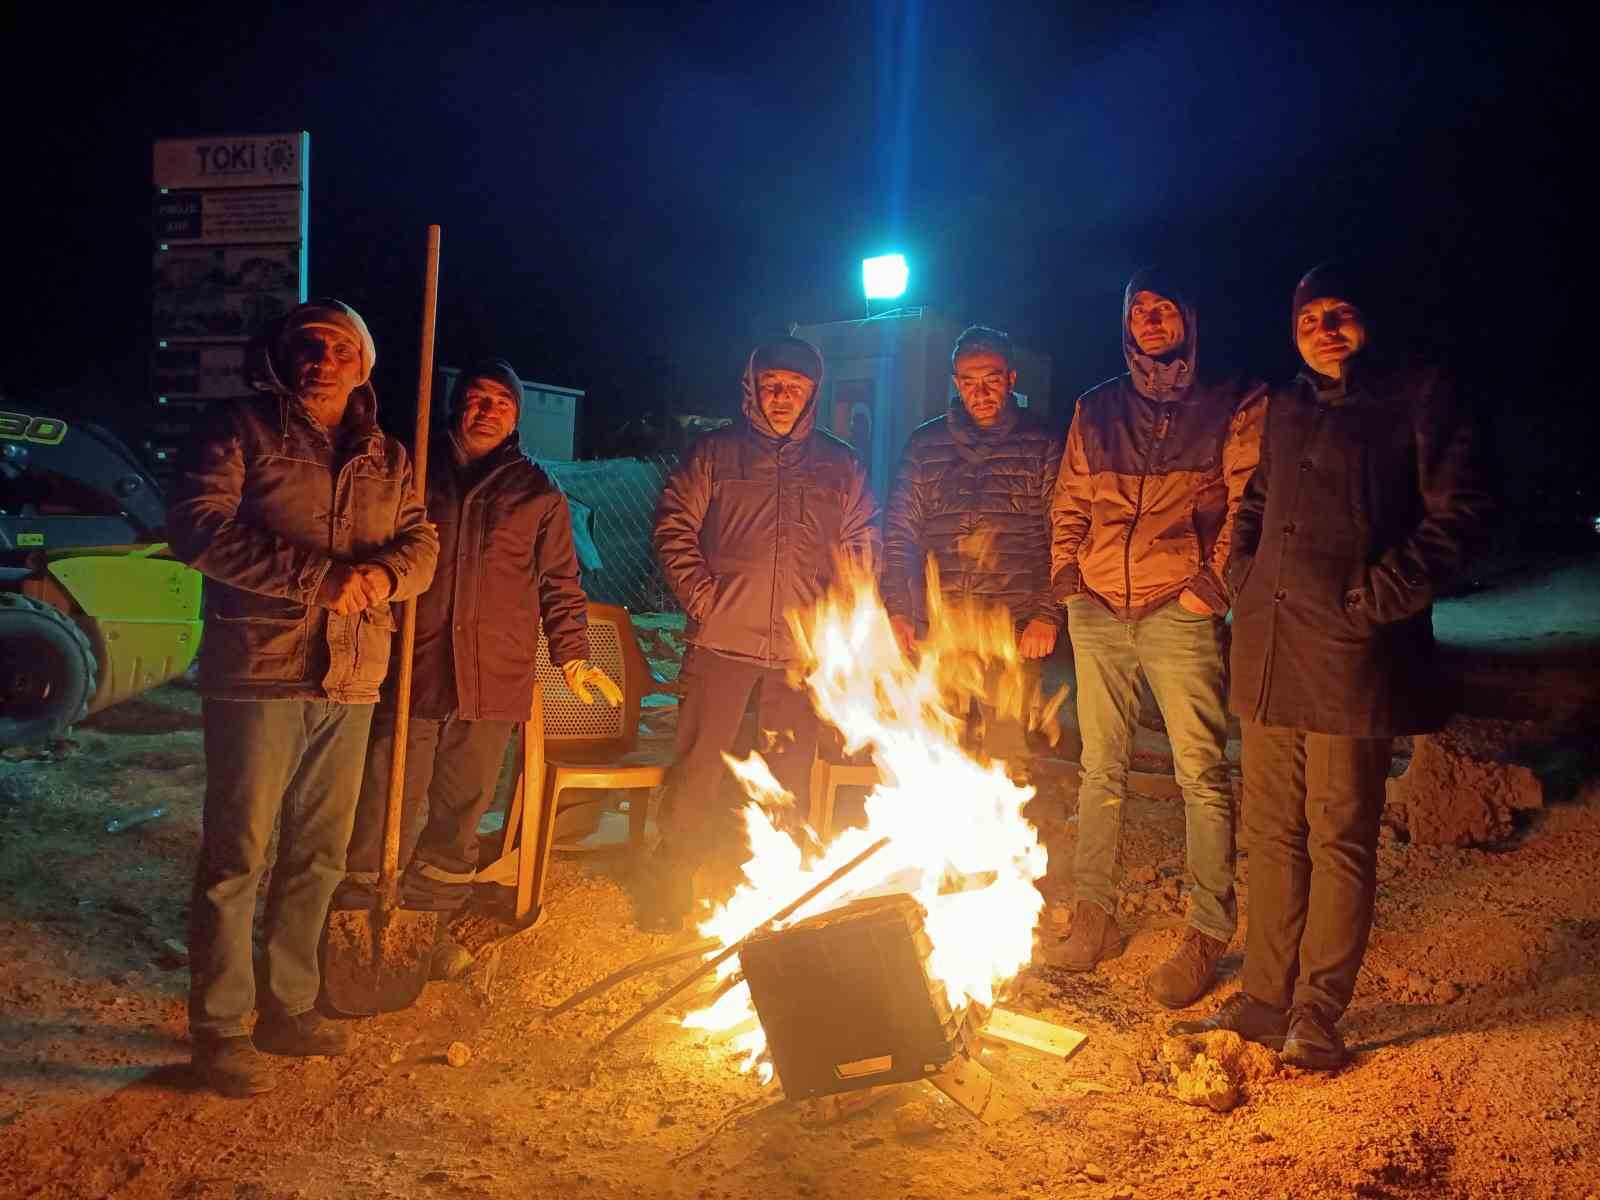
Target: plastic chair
x,y
569,745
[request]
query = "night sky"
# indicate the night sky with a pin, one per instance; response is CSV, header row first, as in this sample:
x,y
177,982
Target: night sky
x,y
631,195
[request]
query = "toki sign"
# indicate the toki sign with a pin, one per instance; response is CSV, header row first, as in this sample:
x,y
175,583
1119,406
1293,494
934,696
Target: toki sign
x,y
264,160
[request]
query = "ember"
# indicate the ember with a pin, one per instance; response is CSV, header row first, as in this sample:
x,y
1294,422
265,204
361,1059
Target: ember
x,y
957,842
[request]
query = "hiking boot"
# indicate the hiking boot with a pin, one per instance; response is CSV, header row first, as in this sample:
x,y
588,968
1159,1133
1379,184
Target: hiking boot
x,y
1189,973
1251,1019
302,1036
1313,1043
1094,938
450,959
232,1066
664,894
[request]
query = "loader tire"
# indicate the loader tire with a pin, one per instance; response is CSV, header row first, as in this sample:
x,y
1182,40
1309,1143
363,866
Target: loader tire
x,y
47,671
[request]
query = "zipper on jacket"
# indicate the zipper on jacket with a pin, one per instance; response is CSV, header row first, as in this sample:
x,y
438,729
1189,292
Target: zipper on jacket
x,y
1162,426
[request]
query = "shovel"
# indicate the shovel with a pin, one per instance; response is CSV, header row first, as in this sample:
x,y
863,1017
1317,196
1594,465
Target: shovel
x,y
377,960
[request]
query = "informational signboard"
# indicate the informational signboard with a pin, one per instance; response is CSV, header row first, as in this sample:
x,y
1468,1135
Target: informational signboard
x,y
229,255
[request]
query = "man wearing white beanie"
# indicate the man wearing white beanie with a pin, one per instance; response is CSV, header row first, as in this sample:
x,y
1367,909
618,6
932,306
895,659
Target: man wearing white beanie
x,y
301,514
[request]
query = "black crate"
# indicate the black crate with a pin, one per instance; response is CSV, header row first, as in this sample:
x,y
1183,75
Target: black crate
x,y
846,1001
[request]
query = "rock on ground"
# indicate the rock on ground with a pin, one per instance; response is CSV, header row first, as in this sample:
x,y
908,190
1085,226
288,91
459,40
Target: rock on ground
x,y
1210,1069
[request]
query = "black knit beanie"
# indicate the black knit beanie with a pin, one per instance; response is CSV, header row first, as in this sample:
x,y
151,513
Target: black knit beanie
x,y
1330,281
789,354
496,370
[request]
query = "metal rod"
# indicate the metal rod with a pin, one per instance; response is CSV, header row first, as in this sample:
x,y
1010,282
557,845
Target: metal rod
x,y
641,967
712,964
389,868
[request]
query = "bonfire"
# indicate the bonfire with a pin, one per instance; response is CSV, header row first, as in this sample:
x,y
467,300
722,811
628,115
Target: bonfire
x,y
956,837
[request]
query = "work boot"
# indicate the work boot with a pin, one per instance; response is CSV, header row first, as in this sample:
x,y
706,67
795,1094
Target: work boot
x,y
1094,938
302,1036
1252,1019
664,894
450,959
1189,973
1313,1043
232,1066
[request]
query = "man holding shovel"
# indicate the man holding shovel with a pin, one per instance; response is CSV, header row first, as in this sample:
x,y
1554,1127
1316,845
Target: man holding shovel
x,y
506,562
300,512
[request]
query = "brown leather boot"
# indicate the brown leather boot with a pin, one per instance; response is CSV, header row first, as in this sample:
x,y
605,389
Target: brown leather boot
x,y
1189,973
1094,938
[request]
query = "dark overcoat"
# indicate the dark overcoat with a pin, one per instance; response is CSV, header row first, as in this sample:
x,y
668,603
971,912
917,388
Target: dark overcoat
x,y
1362,508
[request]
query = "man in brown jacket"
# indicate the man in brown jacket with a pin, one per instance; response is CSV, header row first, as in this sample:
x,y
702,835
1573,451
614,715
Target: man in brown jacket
x,y
300,512
506,563
746,532
1367,498
1154,466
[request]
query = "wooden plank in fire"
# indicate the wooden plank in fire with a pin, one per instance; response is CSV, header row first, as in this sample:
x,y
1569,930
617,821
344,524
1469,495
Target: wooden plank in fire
x,y
972,1087
1019,1029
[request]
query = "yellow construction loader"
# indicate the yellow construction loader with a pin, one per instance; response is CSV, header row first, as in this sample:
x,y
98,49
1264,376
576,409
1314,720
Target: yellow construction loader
x,y
93,609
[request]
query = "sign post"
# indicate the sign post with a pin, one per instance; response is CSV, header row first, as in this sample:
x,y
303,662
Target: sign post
x,y
230,239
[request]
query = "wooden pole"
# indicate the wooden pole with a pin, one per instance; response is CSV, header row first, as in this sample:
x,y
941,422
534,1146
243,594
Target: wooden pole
x,y
389,869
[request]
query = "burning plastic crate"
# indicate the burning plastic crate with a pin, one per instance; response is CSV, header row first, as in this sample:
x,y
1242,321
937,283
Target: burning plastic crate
x,y
846,1001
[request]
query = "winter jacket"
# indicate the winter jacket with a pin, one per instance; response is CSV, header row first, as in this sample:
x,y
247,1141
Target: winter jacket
x,y
1154,466
978,500
506,562
748,527
265,504
1362,508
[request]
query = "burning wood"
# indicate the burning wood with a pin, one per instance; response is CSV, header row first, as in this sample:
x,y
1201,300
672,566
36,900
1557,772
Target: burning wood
x,y
958,853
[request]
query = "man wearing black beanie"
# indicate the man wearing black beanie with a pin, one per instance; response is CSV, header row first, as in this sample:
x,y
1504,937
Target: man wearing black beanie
x,y
506,562
1360,512
747,530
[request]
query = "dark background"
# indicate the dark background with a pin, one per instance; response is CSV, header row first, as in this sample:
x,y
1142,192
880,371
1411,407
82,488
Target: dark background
x,y
632,194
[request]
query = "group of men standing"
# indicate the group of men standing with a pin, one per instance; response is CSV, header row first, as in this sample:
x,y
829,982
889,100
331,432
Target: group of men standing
x,y
1325,514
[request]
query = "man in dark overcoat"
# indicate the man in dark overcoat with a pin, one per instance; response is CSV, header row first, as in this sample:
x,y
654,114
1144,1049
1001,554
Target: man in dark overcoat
x,y
1360,511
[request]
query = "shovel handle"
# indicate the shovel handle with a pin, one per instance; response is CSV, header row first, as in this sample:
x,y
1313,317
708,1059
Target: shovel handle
x,y
389,868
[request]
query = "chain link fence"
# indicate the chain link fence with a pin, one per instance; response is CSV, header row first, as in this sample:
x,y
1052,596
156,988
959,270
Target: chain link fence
x,y
613,503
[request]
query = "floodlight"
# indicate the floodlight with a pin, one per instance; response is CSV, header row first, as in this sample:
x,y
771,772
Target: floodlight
x,y
884,277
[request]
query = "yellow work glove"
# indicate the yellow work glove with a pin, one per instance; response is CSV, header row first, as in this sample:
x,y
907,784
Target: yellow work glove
x,y
582,674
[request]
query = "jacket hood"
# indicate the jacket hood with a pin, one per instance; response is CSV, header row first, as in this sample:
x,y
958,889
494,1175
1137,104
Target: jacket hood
x,y
1170,376
787,354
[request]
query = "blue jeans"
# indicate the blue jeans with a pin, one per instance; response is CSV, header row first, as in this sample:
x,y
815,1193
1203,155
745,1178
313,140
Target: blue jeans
x,y
1181,656
301,761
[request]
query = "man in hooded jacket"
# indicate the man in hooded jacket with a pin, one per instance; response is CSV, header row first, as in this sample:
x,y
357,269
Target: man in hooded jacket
x,y
973,491
1155,463
1364,505
301,514
506,563
747,531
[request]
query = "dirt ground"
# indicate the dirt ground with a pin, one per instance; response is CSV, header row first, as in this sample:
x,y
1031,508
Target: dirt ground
x,y
1476,1069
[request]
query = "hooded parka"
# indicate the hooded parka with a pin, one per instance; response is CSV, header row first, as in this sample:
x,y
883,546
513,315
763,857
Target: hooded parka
x,y
1154,466
978,500
1362,508
748,527
264,505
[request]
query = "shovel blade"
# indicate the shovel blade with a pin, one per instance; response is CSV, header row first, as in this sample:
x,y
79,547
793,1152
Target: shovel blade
x,y
375,961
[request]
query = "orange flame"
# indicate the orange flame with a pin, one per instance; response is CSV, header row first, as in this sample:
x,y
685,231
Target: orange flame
x,y
958,841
